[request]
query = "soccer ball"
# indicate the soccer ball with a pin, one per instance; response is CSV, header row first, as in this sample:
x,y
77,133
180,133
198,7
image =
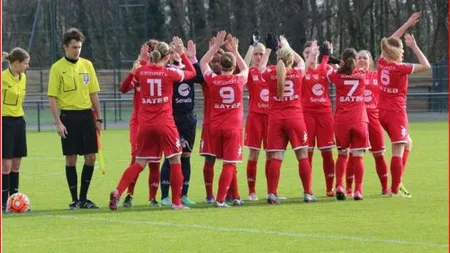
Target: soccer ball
x,y
18,203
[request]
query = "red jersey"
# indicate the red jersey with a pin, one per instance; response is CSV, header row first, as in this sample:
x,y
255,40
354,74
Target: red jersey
x,y
350,105
315,92
393,80
290,104
225,100
371,92
156,83
206,104
258,91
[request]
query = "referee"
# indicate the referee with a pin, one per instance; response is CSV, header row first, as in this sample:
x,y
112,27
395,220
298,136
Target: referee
x,y
73,85
14,142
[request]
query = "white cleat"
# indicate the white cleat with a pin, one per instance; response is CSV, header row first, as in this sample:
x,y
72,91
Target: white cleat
x,y
221,205
253,197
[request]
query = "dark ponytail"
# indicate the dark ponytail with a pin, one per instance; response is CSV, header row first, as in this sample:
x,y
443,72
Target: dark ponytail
x,y
349,58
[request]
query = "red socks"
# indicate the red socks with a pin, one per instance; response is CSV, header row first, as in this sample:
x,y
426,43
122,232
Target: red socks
x,y
405,160
208,177
274,175
304,171
341,165
228,171
234,187
350,172
176,182
130,188
153,180
328,168
382,171
251,176
266,168
128,176
396,172
310,156
358,165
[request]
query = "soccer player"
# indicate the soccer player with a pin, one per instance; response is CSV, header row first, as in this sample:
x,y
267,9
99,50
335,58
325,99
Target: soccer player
x,y
365,64
350,121
318,115
186,122
225,92
73,85
14,141
206,149
126,86
258,92
157,132
393,81
286,123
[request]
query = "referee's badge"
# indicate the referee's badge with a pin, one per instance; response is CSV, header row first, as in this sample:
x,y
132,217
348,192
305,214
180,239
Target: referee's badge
x,y
86,78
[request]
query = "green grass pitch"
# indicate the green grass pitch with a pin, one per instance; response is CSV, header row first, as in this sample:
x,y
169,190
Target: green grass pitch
x,y
376,224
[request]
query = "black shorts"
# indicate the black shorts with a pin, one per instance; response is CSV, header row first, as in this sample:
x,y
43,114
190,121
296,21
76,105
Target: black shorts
x,y
186,125
81,138
14,139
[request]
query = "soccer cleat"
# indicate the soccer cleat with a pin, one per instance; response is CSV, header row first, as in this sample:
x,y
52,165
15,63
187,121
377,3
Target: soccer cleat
x,y
166,202
253,197
210,200
74,205
281,198
186,201
153,203
330,194
87,204
179,207
386,193
400,194
128,200
221,205
273,199
309,198
405,192
229,199
340,195
114,198
357,196
238,202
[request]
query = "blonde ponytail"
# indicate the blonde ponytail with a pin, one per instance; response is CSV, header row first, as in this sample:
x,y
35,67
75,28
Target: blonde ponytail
x,y
281,78
392,48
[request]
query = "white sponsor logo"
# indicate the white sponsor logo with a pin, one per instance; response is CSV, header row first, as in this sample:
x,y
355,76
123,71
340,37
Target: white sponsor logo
x,y
177,143
305,137
255,78
318,89
86,78
264,95
240,150
403,132
184,89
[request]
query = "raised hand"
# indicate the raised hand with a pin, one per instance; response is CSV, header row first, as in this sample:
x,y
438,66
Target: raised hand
x,y
271,42
410,41
232,43
191,49
220,39
254,39
415,17
283,42
314,48
178,45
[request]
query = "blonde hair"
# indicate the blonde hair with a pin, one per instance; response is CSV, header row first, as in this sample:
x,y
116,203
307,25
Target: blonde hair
x,y
371,62
227,61
17,54
285,59
161,50
259,47
392,48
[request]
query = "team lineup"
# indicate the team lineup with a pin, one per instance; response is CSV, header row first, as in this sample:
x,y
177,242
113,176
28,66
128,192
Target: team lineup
x,y
289,102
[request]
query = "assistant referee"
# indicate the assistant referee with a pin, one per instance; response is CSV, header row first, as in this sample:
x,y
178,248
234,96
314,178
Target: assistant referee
x,y
14,142
73,87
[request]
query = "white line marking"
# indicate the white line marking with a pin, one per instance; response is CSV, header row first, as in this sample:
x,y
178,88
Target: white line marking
x,y
254,231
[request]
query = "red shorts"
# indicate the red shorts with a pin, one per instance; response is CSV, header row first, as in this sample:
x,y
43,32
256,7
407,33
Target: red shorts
x,y
355,136
227,144
153,141
134,125
283,131
206,147
376,136
320,127
256,131
396,125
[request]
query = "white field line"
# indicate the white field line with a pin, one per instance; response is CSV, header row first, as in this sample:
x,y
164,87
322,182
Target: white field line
x,y
255,231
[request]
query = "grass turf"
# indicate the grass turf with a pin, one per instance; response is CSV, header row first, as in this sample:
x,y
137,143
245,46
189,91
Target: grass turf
x,y
376,224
